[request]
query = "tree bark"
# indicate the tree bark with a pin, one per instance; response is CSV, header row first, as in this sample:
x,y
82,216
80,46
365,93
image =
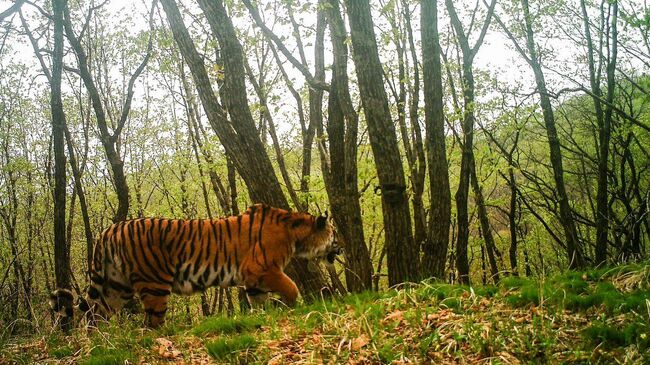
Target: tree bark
x,y
435,251
342,182
61,251
574,249
239,138
604,134
108,140
484,220
467,145
402,251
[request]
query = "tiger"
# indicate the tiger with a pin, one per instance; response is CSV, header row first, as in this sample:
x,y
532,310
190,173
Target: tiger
x,y
155,257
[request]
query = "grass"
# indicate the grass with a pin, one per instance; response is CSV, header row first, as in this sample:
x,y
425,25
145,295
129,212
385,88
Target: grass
x,y
594,316
107,356
226,325
62,352
225,348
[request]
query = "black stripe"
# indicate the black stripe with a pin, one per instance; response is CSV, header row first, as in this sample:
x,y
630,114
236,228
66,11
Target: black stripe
x,y
153,273
215,261
155,292
228,230
250,227
93,293
158,314
119,286
95,278
259,236
255,291
149,237
204,277
239,218
176,236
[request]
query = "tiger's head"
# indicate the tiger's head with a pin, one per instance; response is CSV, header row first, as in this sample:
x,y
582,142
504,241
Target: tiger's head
x,y
315,237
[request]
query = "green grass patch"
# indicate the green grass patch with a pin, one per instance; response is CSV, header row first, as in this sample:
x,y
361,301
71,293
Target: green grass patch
x,y
611,336
581,291
62,352
224,348
105,356
228,325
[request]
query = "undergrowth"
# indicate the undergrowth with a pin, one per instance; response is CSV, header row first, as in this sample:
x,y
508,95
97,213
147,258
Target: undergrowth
x,y
595,316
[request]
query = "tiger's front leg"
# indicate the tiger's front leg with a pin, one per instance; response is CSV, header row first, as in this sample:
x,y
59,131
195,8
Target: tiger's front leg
x,y
279,282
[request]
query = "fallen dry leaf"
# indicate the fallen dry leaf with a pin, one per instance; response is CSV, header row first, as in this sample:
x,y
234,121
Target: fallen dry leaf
x,y
276,360
166,349
397,315
360,342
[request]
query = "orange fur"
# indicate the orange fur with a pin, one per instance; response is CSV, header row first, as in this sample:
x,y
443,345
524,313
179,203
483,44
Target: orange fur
x,y
153,257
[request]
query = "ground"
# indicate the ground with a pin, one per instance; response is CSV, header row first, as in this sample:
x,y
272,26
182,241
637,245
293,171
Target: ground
x,y
598,316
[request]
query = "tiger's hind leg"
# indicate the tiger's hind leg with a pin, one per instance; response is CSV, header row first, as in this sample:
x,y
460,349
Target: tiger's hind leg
x,y
256,297
154,298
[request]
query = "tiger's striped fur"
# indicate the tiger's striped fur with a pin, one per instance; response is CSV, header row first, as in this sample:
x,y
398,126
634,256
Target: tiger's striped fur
x,y
152,258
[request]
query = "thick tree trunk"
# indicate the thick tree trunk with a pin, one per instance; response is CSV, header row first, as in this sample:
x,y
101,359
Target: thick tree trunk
x,y
240,138
342,184
61,252
402,251
435,251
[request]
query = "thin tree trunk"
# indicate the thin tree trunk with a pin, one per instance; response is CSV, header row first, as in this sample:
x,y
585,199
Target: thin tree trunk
x,y
512,220
468,121
574,249
108,140
484,220
61,252
604,133
76,174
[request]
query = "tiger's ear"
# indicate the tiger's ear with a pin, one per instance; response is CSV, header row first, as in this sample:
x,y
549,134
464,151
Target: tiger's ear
x,y
321,222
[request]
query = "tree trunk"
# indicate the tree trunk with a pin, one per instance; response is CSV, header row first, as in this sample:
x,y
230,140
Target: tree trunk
x,y
574,250
604,133
76,174
61,252
512,220
402,251
342,183
108,140
435,251
484,220
240,139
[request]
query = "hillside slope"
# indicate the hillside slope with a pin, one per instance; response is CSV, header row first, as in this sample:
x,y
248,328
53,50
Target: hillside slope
x,y
599,316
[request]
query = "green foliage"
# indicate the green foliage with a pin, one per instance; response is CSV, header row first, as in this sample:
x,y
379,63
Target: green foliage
x,y
224,348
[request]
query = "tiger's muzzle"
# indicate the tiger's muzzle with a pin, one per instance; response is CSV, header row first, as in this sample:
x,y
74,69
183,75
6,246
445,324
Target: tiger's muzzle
x,y
333,251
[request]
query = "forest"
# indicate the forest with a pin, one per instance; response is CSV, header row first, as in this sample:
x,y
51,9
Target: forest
x,y
479,160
